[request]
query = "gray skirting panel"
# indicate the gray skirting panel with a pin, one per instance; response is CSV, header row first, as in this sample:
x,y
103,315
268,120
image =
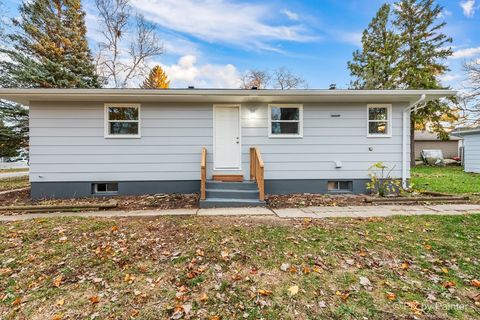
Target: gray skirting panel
x,y
41,190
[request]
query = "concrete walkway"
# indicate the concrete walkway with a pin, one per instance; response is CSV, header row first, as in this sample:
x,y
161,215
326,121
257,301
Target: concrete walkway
x,y
308,212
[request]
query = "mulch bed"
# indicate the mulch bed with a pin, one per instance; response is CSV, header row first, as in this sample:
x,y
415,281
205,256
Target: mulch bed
x,y
143,202
300,200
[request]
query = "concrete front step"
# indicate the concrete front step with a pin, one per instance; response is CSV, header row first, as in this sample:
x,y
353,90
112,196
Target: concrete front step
x,y
230,203
245,185
232,194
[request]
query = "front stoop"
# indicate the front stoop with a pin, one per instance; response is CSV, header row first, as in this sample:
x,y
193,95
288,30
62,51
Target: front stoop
x,y
231,195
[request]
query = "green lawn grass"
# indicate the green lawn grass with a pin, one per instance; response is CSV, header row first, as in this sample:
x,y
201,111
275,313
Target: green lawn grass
x,y
451,179
13,170
13,183
418,267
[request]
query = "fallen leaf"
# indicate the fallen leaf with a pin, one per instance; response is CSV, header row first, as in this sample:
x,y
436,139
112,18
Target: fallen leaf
x,y
60,302
391,296
285,266
224,255
57,317
215,318
449,284
428,247
114,229
444,270
414,306
94,299
405,265
203,297
475,283
200,252
264,292
57,281
364,281
343,295
17,301
293,290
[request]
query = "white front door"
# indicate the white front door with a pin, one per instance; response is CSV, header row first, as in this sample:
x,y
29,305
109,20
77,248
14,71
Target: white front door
x,y
226,135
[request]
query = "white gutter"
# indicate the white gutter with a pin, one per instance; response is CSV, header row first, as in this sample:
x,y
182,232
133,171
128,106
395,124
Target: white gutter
x,y
406,118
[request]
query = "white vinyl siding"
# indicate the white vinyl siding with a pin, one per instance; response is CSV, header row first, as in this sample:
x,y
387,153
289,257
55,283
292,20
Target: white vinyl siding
x,y
471,143
68,144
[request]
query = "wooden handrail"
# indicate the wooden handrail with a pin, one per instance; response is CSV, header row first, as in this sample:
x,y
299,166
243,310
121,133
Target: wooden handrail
x,y
203,174
257,171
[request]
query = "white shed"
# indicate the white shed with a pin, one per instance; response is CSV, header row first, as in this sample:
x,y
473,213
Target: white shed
x,y
471,148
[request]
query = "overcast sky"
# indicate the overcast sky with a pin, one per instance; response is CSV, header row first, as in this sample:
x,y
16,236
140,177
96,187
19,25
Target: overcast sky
x,y
209,43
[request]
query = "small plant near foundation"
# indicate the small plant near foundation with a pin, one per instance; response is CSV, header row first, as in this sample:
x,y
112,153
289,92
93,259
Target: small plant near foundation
x,y
381,182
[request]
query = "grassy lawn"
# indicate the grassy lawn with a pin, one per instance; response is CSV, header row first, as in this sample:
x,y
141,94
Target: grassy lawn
x,y
13,170
446,179
14,183
241,268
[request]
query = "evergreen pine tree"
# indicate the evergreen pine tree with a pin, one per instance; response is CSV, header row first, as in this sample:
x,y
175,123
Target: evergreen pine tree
x,y
424,51
49,47
156,79
13,130
376,65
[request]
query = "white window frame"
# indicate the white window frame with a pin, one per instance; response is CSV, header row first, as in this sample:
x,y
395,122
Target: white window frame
x,y
300,121
389,121
95,188
107,135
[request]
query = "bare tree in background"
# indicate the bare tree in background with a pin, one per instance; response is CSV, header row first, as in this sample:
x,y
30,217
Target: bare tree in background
x,y
284,79
115,61
471,102
259,79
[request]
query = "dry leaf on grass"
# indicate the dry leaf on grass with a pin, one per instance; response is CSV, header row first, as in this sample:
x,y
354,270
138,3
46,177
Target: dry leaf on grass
x,y
391,296
57,281
449,284
293,290
94,299
264,292
475,283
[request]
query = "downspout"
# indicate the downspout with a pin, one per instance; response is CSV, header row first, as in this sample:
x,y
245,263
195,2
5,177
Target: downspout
x,y
406,118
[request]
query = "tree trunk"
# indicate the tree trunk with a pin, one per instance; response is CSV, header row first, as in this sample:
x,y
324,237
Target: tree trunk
x,y
412,142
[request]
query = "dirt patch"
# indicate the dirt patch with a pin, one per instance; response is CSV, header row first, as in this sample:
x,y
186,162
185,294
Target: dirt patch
x,y
300,200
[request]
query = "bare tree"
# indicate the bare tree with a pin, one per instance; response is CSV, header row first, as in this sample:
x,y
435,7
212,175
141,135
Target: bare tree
x,y
470,104
116,61
259,79
284,79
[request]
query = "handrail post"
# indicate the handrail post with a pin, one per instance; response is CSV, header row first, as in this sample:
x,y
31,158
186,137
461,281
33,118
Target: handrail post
x,y
252,164
203,174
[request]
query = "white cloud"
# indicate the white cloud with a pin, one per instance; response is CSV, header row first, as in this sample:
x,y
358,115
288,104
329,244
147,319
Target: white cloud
x,y
222,21
187,72
465,53
291,15
468,7
354,38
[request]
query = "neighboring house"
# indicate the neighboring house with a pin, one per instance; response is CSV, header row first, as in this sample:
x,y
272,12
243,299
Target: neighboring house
x,y
131,141
425,140
471,148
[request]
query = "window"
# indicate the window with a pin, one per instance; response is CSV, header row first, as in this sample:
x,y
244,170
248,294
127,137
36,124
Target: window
x,y
122,121
105,188
285,120
379,120
340,186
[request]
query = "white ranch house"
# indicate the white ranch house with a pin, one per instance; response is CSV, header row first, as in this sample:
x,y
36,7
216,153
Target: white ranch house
x,y
232,146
